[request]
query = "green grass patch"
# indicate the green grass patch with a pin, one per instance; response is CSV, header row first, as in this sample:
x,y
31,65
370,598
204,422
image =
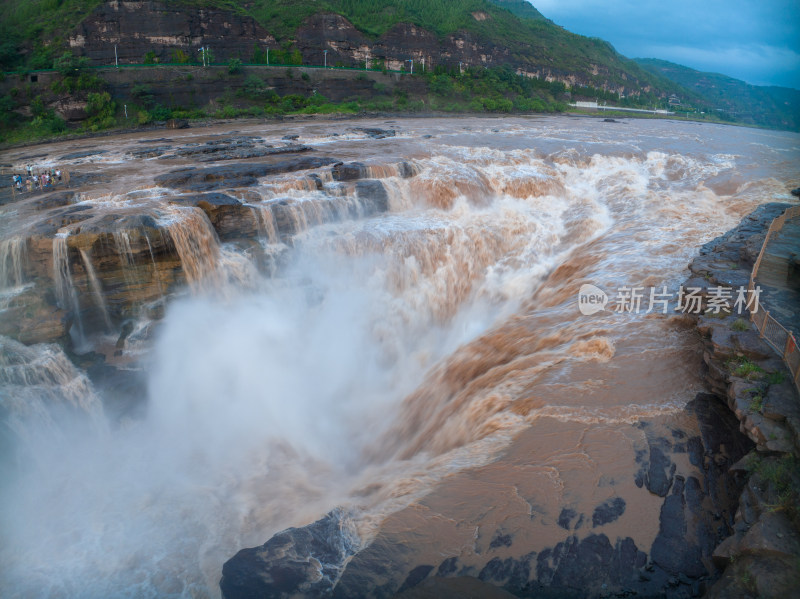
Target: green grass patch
x,y
757,403
780,476
745,368
740,325
776,377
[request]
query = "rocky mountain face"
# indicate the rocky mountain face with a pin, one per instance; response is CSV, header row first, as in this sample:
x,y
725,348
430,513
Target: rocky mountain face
x,y
137,28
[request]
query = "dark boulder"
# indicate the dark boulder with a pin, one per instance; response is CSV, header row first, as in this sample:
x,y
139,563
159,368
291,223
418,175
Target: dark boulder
x,y
350,171
608,511
303,562
661,469
372,196
230,218
374,132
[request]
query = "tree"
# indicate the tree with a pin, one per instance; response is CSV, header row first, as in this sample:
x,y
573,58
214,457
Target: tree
x,y
234,66
69,65
100,109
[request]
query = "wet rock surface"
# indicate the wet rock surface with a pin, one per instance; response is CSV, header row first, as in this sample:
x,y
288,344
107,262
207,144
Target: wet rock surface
x,y
233,148
350,171
230,218
82,154
374,132
235,175
762,556
305,561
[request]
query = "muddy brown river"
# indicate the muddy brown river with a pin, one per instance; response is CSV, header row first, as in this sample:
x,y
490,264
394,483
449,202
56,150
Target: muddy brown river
x,y
247,334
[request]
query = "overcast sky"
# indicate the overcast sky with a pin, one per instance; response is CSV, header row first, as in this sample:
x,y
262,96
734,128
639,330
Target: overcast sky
x,y
754,40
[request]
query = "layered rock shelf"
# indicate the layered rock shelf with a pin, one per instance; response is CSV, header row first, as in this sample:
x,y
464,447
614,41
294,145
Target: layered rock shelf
x,y
97,266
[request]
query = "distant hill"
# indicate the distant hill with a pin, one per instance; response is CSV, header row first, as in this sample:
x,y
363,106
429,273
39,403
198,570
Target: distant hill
x,y
493,40
770,106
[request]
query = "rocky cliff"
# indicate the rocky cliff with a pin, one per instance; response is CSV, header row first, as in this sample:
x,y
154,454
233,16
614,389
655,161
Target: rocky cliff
x,y
133,29
761,556
171,31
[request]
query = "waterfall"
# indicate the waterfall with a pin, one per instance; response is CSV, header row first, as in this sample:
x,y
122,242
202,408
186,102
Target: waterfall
x,y
198,247
37,379
66,296
267,228
152,261
405,337
12,258
97,290
123,243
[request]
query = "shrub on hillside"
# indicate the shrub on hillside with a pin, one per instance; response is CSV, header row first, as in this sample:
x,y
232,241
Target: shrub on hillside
x,y
234,66
100,110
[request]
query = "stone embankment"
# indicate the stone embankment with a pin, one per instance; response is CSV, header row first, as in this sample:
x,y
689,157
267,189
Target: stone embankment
x,y
762,557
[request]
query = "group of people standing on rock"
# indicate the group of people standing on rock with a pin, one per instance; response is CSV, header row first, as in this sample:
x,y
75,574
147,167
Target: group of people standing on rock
x,y
40,179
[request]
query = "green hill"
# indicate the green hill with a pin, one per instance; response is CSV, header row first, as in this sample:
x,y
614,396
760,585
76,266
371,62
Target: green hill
x,y
772,106
522,8
513,59
35,32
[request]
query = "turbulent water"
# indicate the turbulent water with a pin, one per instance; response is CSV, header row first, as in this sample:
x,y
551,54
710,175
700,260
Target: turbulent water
x,y
378,361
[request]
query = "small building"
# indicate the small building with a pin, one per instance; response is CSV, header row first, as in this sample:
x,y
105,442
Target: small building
x,y
674,100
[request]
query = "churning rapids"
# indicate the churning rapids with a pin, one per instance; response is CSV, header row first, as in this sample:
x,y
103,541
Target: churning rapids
x,y
400,339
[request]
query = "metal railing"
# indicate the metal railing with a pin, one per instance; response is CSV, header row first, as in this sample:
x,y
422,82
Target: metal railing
x,y
143,65
774,333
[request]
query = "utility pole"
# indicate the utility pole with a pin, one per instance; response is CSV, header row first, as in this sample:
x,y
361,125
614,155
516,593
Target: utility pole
x,y
412,65
325,52
267,55
423,64
203,50
116,60
366,62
